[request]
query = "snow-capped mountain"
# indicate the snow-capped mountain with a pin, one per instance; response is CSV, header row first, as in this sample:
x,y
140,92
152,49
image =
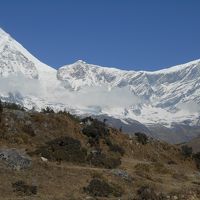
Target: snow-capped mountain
x,y
164,97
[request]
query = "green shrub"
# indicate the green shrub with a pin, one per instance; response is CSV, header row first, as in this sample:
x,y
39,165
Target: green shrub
x,y
94,142
156,167
29,130
94,128
147,193
1,107
100,188
144,167
196,157
63,149
160,168
186,151
13,106
117,149
47,110
141,138
71,116
114,147
91,131
104,161
22,187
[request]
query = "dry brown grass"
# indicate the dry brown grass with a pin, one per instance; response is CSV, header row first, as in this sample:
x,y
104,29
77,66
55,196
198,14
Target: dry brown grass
x,y
147,164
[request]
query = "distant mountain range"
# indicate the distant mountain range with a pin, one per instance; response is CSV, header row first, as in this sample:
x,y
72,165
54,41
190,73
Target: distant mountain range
x,y
164,104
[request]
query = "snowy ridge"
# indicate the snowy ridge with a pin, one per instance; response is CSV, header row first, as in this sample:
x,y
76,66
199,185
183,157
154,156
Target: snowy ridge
x,y
16,56
165,96
175,68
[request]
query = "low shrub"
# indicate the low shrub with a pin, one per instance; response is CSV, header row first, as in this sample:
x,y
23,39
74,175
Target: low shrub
x,y
171,162
22,187
94,142
196,157
147,193
47,110
1,107
160,168
186,151
141,138
63,149
104,161
91,131
156,167
87,119
180,176
94,128
12,106
143,167
117,149
71,116
114,147
100,188
29,130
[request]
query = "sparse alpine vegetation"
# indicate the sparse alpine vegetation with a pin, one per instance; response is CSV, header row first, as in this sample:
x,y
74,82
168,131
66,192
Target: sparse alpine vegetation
x,y
60,155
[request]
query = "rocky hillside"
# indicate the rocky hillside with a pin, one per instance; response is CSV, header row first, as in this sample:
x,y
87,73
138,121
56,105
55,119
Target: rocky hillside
x,y
47,156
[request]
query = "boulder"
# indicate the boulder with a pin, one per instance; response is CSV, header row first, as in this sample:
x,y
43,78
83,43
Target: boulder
x,y
15,159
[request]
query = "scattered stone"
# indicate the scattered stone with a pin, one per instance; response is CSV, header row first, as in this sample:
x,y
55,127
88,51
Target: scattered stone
x,y
44,159
89,198
15,159
122,174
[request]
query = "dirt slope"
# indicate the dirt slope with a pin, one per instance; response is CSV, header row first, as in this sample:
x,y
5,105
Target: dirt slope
x,y
73,160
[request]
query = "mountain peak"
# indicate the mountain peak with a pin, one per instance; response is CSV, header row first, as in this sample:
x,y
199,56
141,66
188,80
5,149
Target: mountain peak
x,y
15,59
3,36
80,62
2,32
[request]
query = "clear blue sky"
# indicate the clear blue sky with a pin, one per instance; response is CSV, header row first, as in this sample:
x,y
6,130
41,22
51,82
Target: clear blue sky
x,y
129,34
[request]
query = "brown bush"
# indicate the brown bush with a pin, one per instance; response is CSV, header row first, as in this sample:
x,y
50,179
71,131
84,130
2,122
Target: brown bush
x,y
160,168
147,193
29,130
12,106
63,149
186,151
114,147
100,188
143,167
95,128
22,188
104,161
156,167
180,176
196,157
142,138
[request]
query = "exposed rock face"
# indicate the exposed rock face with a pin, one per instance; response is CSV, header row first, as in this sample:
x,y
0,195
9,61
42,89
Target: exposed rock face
x,y
13,62
123,174
14,159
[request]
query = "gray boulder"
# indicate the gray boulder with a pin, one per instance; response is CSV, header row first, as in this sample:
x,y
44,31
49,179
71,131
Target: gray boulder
x,y
14,159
